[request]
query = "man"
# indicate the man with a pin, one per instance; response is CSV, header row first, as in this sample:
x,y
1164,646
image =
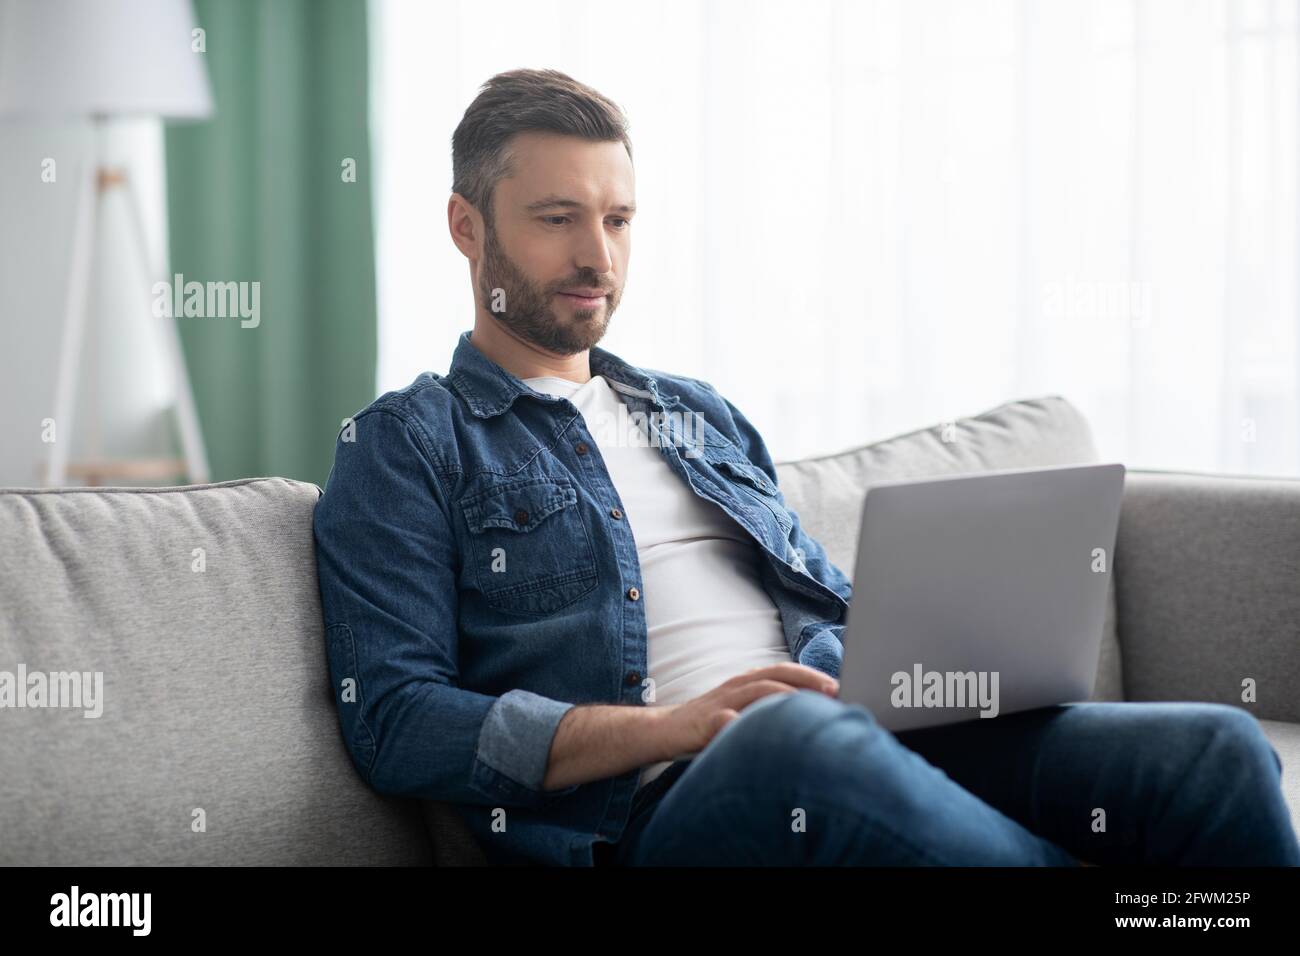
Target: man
x,y
565,594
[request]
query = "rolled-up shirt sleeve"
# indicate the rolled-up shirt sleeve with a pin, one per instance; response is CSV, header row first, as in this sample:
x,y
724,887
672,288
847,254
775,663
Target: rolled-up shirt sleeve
x,y
515,741
387,564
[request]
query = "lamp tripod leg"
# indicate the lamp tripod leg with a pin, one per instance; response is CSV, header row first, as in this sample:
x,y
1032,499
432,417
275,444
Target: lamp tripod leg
x,y
74,323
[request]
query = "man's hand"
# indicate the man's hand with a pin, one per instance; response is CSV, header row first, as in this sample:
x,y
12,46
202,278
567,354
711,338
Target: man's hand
x,y
594,741
688,727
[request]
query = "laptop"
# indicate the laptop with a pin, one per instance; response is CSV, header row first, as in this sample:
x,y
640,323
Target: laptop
x,y
980,595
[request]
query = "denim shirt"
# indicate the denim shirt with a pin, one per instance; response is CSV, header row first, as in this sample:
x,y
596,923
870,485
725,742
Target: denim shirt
x,y
478,580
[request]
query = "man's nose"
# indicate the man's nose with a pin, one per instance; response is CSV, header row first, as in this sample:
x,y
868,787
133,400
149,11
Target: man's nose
x,y
593,254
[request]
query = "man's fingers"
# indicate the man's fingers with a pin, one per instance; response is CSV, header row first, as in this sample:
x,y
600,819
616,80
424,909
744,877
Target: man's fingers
x,y
797,675
744,695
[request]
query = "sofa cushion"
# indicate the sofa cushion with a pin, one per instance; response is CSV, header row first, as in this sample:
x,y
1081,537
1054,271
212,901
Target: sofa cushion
x,y
826,491
216,694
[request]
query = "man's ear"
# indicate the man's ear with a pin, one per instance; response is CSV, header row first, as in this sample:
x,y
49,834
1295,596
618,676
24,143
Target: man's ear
x,y
465,224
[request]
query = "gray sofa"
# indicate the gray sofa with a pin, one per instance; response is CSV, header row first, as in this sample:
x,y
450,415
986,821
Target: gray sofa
x,y
219,743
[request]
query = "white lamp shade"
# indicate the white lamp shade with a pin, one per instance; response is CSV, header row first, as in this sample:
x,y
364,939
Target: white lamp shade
x,y
101,57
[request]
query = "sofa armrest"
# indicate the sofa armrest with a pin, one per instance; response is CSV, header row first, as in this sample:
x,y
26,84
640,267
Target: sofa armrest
x,y
1207,572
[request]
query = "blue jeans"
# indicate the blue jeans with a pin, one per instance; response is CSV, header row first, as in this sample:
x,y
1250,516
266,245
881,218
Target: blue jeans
x,y
800,778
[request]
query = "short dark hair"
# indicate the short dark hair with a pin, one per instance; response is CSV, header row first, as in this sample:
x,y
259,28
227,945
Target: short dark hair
x,y
520,101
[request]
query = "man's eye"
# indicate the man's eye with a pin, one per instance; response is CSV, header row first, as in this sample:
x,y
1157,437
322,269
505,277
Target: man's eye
x,y
549,218
625,222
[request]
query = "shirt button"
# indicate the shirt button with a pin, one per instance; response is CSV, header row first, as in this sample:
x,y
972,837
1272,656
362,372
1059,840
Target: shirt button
x,y
633,593
615,513
521,517
633,678
581,448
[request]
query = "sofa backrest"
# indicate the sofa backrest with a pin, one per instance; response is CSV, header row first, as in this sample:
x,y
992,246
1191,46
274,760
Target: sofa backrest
x,y
827,491
218,740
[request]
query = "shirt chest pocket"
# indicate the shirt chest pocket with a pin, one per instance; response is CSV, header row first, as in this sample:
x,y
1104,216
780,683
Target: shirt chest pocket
x,y
528,545
752,486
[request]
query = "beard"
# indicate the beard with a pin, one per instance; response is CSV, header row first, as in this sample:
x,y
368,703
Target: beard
x,y
526,307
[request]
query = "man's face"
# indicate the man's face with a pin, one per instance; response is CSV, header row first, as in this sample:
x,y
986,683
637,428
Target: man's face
x,y
563,222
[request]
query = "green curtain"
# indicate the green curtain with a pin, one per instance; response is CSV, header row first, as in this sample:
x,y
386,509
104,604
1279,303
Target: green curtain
x,y
257,193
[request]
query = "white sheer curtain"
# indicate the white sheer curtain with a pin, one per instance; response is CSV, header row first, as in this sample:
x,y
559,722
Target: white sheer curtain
x,y
859,218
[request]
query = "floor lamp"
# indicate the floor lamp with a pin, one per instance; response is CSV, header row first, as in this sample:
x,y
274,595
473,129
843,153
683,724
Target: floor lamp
x,y
101,60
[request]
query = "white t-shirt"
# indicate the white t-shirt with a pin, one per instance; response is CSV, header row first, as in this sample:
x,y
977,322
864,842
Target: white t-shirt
x,y
707,614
